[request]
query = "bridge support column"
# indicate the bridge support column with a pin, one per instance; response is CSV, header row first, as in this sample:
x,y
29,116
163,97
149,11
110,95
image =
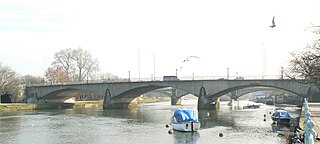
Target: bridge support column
x,y
107,100
203,102
116,104
234,95
174,98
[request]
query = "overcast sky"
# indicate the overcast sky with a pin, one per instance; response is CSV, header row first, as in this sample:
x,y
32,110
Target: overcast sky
x,y
223,34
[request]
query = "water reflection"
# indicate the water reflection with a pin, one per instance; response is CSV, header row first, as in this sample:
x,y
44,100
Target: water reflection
x,y
186,137
10,122
279,127
146,124
210,118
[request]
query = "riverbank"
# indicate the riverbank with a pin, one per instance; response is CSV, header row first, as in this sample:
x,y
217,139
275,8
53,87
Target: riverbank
x,y
9,107
89,104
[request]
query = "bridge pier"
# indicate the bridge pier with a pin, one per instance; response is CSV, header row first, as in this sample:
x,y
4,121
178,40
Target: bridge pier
x,y
107,100
203,101
174,98
106,105
117,104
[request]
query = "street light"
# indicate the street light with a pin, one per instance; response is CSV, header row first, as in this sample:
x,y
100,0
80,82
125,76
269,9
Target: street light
x,y
44,66
154,64
139,61
227,72
129,77
281,72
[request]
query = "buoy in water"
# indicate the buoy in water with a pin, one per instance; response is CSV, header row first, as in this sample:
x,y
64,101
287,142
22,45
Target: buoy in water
x,y
170,131
220,135
167,125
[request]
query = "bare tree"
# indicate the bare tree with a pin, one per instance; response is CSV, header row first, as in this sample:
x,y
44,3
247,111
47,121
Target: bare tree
x,y
65,60
9,81
107,77
78,64
306,64
85,64
29,79
56,75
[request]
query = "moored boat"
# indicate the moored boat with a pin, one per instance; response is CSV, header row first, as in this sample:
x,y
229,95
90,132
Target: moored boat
x,y
269,102
281,116
185,120
252,106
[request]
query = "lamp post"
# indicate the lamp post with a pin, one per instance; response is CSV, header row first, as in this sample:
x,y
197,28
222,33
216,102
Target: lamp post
x,y
177,73
154,66
44,66
139,62
281,72
227,72
129,77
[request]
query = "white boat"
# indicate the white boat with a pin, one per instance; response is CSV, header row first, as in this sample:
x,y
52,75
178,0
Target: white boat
x,y
185,120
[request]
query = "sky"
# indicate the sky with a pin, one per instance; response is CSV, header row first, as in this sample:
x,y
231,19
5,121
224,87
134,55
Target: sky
x,y
158,35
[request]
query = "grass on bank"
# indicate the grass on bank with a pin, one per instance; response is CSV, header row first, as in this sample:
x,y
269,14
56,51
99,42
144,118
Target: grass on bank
x,y
16,106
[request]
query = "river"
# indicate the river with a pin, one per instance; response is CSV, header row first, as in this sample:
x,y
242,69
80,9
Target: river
x,y
144,125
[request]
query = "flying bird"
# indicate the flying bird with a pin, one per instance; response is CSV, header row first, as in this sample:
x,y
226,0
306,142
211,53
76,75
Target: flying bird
x,y
273,23
187,59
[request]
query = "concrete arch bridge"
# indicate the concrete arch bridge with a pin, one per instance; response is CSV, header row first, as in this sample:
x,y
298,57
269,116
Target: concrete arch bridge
x,y
120,94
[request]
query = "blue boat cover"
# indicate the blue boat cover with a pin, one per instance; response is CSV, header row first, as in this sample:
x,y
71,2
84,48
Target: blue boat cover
x,y
281,114
185,116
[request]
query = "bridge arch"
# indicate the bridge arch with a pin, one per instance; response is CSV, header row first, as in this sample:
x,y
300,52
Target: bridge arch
x,y
223,92
63,94
123,99
313,94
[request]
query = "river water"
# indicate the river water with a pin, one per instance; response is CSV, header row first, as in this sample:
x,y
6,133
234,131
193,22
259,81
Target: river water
x,y
144,125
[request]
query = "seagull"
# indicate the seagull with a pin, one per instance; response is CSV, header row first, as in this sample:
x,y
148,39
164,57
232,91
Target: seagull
x,y
273,23
187,59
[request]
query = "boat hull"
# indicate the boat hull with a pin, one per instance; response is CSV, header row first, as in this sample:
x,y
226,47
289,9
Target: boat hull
x,y
186,126
251,106
281,120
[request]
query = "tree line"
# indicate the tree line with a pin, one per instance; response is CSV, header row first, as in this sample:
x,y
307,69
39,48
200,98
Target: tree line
x,y
69,65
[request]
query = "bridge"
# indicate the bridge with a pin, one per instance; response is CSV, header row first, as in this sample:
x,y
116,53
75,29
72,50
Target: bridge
x,y
120,94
